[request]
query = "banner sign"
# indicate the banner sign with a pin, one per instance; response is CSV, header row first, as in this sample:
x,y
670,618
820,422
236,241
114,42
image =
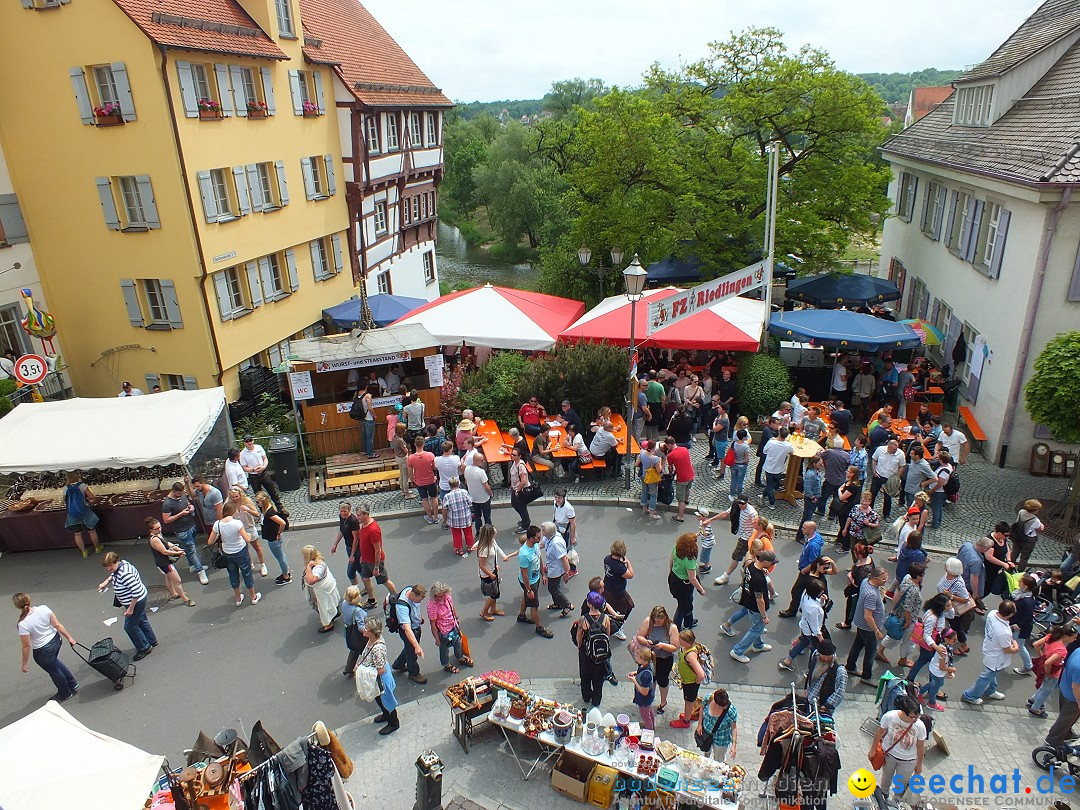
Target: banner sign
x,y
376,402
685,303
361,362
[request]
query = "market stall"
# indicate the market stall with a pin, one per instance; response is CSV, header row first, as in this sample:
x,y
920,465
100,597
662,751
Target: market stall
x,y
131,449
50,759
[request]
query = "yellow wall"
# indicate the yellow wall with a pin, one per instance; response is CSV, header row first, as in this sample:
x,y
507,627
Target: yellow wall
x,y
54,160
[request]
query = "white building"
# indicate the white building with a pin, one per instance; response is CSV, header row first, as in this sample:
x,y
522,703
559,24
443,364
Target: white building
x,y
984,241
18,272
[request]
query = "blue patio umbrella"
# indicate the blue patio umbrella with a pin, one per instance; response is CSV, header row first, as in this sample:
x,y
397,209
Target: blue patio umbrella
x,y
827,289
674,270
385,309
843,329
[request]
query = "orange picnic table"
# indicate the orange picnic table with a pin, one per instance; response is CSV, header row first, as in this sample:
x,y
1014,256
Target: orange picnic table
x,y
494,450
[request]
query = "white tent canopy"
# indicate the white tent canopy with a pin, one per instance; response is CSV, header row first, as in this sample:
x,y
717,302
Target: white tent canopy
x,y
50,759
84,434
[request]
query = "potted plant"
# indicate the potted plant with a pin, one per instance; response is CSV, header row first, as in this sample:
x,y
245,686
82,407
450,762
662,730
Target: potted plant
x,y
209,108
108,114
257,109
311,110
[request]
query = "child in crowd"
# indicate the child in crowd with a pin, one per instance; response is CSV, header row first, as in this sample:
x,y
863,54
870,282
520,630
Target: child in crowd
x,y
705,539
644,687
941,667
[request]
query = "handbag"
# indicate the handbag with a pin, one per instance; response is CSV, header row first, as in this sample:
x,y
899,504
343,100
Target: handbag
x,y
490,588
652,476
367,682
729,457
217,557
917,635
665,492
894,626
705,741
465,644
355,639
877,756
967,607
573,557
531,493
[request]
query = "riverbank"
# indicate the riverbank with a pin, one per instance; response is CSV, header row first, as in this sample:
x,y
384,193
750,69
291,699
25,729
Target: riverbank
x,y
465,262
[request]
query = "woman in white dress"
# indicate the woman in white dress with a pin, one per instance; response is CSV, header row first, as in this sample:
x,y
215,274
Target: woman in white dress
x,y
320,588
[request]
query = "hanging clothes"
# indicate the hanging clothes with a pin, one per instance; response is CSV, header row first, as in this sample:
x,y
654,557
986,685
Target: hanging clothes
x,y
319,792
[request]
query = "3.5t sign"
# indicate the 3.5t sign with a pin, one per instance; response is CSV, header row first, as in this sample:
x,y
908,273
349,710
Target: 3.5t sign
x,y
31,369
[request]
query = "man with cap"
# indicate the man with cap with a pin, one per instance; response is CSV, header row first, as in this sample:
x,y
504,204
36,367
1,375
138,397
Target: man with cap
x,y
254,461
825,680
127,391
568,416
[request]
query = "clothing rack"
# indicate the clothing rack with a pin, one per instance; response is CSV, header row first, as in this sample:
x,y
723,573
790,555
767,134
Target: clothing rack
x,y
313,739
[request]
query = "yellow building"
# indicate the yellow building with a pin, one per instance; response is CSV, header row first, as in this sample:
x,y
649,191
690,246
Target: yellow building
x,y
178,165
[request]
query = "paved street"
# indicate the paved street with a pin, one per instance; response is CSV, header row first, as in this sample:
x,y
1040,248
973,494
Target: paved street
x,y
218,665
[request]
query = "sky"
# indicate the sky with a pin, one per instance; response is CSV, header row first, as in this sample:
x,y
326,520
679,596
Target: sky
x,y
491,50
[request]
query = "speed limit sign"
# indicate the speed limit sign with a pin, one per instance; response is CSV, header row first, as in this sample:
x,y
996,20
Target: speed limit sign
x,y
31,368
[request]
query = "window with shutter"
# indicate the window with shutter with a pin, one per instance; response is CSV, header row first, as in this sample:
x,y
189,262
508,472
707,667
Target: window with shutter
x,y
12,225
243,195
172,304
268,91
255,187
149,203
133,208
108,203
224,296
187,89
331,182
270,276
241,89
122,88
286,29
155,303
335,243
283,186
191,383
152,381
320,103
974,230
131,302
320,266
995,250
290,266
82,96
257,292
308,170
209,199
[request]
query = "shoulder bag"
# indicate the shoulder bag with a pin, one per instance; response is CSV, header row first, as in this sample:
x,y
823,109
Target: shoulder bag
x,y
652,474
490,587
355,639
705,740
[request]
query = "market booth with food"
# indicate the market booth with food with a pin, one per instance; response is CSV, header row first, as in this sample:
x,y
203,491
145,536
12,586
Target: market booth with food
x,y
328,373
130,450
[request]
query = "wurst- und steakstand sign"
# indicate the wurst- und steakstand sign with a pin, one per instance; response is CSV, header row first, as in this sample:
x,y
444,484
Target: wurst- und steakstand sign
x,y
685,303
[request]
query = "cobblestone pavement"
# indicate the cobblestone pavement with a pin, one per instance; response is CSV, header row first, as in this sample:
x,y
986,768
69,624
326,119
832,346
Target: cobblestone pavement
x,y
488,779
988,494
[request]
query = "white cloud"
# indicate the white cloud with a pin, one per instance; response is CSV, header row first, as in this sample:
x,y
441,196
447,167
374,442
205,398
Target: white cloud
x,y
499,49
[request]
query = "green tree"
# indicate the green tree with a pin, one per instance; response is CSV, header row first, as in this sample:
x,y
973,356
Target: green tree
x,y
565,95
763,382
465,148
1054,389
493,391
590,375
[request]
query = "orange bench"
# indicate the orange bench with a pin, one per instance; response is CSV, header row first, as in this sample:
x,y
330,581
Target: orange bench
x,y
974,429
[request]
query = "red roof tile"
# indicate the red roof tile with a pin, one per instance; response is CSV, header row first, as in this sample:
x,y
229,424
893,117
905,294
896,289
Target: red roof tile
x,y
215,26
925,99
371,64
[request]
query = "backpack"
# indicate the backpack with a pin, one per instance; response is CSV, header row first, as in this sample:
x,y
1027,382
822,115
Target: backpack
x,y
596,644
75,500
705,658
1018,532
358,411
952,486
390,615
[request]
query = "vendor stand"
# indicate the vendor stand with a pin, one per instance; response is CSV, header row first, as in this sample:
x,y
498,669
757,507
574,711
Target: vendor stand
x,y
149,442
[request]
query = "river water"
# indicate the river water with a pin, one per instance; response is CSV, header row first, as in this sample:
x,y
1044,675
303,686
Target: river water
x,y
462,263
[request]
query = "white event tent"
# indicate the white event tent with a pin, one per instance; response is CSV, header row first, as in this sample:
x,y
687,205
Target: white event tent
x,y
50,759
108,433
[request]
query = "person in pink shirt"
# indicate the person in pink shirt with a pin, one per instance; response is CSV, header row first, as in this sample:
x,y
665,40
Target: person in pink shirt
x,y
422,472
444,627
678,461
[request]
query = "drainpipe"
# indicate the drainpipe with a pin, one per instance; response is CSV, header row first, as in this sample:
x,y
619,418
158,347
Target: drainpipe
x,y
1053,216
191,214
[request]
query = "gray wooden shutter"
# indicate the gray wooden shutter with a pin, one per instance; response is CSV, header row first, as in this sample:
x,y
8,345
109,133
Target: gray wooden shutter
x,y
123,90
206,191
331,182
914,195
268,91
940,206
172,303
317,267
294,85
254,288
319,102
258,202
12,225
82,95
243,199
149,204
999,242
953,329
108,203
28,4
290,261
131,302
151,381
335,241
224,302
924,220
309,177
283,186
924,304
237,74
187,89
972,244
950,221
191,384
225,95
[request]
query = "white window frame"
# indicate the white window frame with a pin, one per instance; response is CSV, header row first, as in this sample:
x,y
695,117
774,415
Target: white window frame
x,y
253,90
11,332
371,132
988,238
200,77
960,218
379,219
105,85
383,283
304,87
429,267
919,292
267,179
416,208
970,333
931,210
942,315
283,10
235,283
431,131
415,131
131,201
220,182
279,277
907,186
323,249
155,300
393,143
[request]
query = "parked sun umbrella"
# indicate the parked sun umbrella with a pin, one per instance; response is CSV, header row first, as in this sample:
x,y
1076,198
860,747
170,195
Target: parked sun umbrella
x,y
843,329
929,334
838,290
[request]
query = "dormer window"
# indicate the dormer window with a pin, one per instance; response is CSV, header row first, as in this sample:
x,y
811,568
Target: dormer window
x,y
973,105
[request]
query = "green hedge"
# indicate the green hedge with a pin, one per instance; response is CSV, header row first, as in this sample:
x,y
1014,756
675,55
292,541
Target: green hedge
x,y
763,383
494,391
7,388
590,375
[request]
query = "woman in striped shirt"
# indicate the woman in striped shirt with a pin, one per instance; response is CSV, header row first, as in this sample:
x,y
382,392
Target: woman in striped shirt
x,y
131,593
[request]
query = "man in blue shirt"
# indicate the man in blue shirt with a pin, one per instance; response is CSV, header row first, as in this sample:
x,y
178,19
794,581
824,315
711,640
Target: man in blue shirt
x,y
971,555
1068,702
410,621
532,570
811,551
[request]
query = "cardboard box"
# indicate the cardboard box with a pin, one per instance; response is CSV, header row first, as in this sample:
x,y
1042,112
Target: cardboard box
x,y
571,775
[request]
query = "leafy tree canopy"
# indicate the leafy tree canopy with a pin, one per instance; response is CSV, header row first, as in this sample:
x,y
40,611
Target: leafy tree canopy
x,y
896,87
1053,390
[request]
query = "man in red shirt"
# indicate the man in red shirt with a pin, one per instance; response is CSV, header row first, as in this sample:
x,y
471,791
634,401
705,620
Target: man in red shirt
x,y
678,461
372,556
529,417
422,472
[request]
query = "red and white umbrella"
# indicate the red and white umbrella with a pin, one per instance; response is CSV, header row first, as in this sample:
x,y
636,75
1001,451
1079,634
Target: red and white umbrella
x,y
497,317
734,324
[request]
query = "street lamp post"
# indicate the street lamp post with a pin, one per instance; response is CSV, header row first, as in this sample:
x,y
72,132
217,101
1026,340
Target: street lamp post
x,y
585,256
635,277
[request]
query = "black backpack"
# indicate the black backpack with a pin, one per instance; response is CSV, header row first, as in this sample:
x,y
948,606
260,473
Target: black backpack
x,y
596,644
952,486
358,411
390,614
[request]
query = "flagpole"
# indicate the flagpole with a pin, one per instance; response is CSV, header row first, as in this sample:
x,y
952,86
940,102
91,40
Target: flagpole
x,y
772,187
